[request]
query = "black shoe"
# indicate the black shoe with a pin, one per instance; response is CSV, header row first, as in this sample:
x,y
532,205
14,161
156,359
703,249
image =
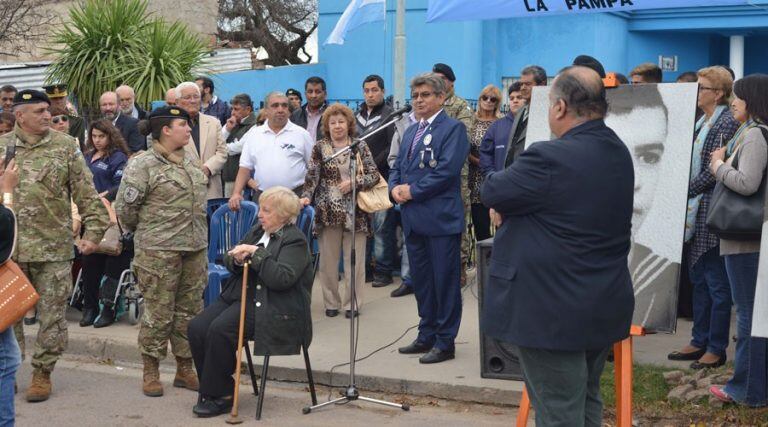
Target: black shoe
x,y
693,355
106,318
381,280
701,365
414,348
89,316
401,291
331,313
368,277
348,314
436,356
210,407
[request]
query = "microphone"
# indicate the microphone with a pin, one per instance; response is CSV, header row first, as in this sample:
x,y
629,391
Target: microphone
x,y
400,112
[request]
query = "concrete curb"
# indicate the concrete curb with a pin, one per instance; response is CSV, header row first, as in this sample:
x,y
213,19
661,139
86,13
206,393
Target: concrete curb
x,y
100,349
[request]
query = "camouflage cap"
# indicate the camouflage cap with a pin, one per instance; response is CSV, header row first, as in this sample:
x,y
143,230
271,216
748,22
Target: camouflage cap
x,y
29,96
58,90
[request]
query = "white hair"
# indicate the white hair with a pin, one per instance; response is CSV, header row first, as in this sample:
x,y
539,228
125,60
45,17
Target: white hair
x,y
186,85
125,87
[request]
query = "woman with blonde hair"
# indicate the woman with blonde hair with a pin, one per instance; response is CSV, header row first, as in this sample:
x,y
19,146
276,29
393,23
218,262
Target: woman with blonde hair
x,y
328,187
488,111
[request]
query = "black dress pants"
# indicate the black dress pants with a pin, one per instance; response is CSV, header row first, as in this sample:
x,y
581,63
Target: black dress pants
x,y
95,266
212,337
481,218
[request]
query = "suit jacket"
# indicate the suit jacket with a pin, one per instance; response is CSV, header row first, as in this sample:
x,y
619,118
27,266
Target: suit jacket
x,y
516,138
214,152
558,276
130,131
436,208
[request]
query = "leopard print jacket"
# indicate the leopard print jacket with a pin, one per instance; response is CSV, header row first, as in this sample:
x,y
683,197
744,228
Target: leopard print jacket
x,y
320,187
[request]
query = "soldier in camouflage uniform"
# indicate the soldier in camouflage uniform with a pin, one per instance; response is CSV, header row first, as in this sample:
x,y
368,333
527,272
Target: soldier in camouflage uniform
x,y
57,93
458,108
162,199
52,173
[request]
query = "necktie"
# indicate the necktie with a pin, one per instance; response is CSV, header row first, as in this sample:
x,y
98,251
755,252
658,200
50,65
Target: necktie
x,y
419,133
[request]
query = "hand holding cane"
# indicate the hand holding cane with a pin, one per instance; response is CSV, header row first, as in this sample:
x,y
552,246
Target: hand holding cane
x,y
233,418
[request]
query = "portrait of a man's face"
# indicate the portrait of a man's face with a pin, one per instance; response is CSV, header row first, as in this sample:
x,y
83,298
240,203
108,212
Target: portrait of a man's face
x,y
655,122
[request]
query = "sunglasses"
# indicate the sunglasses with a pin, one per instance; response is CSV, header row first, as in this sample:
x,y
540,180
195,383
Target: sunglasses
x,y
57,119
489,98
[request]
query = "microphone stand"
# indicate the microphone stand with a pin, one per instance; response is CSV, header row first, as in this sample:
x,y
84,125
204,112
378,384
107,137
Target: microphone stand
x,y
351,393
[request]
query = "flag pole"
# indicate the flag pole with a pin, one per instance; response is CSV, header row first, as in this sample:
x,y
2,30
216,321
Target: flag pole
x,y
399,56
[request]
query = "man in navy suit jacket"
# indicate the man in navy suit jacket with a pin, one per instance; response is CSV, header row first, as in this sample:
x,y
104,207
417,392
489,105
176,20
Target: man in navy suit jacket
x,y
559,285
426,182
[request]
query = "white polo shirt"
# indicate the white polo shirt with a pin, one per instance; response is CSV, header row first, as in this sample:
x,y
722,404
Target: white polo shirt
x,y
277,158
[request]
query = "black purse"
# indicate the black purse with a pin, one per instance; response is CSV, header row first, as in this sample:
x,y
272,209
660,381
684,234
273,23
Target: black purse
x,y
733,216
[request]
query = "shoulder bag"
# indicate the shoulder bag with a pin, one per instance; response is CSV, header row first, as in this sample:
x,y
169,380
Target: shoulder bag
x,y
17,295
374,199
733,216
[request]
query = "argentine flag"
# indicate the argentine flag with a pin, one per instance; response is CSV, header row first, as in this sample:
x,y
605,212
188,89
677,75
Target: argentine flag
x,y
358,12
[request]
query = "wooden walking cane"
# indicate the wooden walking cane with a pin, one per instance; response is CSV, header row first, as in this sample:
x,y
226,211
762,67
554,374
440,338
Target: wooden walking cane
x,y
233,418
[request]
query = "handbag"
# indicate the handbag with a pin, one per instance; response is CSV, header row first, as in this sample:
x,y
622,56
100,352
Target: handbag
x,y
374,199
112,242
17,295
733,216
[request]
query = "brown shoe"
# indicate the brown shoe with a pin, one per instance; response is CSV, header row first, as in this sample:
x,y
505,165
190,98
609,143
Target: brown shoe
x,y
185,374
152,386
40,388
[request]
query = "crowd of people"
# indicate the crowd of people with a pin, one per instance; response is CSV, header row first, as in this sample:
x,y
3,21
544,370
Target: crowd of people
x,y
453,173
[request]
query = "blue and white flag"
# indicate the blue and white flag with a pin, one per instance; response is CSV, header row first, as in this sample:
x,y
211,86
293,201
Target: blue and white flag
x,y
358,12
468,10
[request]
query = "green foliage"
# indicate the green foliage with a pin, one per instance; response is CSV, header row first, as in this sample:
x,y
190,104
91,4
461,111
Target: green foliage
x,y
112,42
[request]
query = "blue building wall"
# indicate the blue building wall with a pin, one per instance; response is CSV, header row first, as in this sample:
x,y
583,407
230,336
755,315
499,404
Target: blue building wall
x,y
483,52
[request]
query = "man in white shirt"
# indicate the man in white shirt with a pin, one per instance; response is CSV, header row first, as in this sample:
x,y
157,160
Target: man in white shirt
x,y
277,152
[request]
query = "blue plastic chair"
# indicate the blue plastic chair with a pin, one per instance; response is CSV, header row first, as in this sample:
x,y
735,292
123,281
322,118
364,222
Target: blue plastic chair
x,y
213,205
306,223
227,229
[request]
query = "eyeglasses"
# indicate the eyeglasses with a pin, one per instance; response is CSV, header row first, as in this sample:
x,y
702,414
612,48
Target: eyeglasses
x,y
423,95
57,119
703,88
489,98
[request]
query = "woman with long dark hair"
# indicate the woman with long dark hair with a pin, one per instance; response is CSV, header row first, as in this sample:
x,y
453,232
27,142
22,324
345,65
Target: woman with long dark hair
x,y
106,158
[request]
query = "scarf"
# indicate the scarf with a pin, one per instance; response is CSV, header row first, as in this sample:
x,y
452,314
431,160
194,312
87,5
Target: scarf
x,y
175,157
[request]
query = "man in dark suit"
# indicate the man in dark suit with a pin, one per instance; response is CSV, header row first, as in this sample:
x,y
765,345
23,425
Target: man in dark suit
x,y
426,182
128,126
559,286
126,96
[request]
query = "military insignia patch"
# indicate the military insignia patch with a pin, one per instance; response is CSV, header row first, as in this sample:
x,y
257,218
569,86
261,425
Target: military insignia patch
x,y
27,96
175,112
131,194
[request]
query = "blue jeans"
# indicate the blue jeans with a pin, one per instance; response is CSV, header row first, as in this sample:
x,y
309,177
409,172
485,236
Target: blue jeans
x,y
711,303
385,245
10,359
749,384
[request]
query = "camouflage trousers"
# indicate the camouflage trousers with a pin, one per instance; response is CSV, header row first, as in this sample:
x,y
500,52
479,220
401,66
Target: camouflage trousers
x,y
172,284
53,281
466,244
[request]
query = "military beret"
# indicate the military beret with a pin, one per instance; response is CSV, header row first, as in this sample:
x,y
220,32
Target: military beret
x,y
56,91
292,91
169,112
590,62
29,96
445,70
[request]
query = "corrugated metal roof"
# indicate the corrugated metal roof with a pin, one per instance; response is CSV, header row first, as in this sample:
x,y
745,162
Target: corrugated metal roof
x,y
31,75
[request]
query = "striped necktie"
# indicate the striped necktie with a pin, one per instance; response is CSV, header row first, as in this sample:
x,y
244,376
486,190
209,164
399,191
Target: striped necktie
x,y
419,133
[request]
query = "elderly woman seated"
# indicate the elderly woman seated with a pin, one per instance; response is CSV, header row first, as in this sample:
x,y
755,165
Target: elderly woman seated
x,y
277,314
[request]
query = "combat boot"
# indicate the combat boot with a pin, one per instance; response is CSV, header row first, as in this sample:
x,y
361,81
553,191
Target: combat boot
x,y
152,386
40,388
185,374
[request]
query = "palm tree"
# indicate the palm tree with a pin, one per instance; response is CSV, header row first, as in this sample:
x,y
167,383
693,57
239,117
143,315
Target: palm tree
x,y
112,42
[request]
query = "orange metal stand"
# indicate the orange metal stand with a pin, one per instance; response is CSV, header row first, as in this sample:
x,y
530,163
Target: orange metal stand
x,y
622,363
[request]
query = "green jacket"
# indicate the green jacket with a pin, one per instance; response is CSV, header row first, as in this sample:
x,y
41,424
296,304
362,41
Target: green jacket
x,y
279,289
52,175
229,173
458,108
163,203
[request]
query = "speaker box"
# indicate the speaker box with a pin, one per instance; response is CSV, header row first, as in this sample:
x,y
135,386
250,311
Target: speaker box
x,y
498,359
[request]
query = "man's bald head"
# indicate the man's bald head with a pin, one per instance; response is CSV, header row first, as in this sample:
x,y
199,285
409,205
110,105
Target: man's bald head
x,y
583,92
109,106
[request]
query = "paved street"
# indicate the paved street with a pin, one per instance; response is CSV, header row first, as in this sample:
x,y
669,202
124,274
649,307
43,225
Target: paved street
x,y
90,394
